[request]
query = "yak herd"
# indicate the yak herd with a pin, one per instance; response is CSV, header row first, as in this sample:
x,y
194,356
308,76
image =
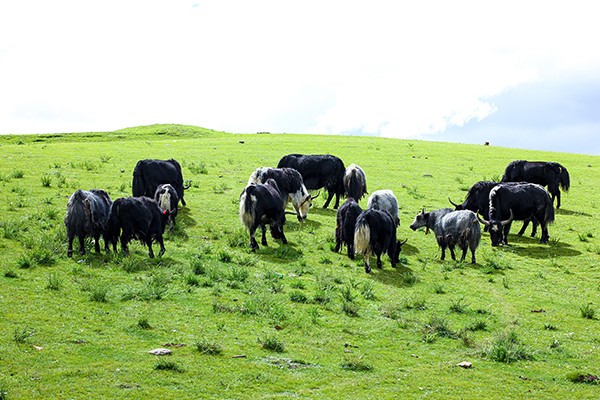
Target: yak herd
x,y
158,187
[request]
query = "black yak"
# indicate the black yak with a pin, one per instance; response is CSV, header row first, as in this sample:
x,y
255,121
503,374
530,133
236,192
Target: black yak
x,y
262,204
87,216
355,182
550,174
148,174
319,171
345,224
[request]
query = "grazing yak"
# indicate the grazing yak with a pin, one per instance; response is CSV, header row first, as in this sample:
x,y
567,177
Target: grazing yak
x,y
262,204
148,174
137,218
87,216
318,171
385,199
355,182
345,224
375,233
451,228
519,201
167,199
550,174
290,184
478,201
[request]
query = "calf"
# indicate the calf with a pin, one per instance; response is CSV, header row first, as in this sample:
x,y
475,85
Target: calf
x,y
355,182
385,200
451,228
346,222
137,218
375,233
262,204
168,200
87,216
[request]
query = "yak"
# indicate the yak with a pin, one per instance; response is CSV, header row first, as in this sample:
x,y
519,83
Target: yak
x,y
375,233
345,224
167,199
262,204
148,174
87,216
319,171
137,218
478,201
355,182
385,199
519,201
550,174
451,228
290,184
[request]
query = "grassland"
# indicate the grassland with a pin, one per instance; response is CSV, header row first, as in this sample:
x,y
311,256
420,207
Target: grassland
x,y
294,320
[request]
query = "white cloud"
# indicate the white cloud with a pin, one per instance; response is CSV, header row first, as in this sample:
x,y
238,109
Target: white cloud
x,y
389,68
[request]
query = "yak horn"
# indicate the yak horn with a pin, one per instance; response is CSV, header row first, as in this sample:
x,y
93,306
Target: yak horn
x,y
483,221
509,220
453,203
314,197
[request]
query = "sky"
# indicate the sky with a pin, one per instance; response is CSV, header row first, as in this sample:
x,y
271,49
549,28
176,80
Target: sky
x,y
522,74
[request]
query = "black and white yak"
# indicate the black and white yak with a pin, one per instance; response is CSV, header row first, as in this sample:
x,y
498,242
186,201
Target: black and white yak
x,y
520,201
319,171
550,174
355,182
261,205
290,184
385,199
148,174
137,218
451,228
345,224
375,233
87,216
167,199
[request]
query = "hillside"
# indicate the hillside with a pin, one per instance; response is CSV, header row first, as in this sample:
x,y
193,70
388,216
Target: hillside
x,y
289,320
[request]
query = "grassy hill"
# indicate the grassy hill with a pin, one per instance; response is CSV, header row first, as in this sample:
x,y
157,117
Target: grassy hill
x,y
294,320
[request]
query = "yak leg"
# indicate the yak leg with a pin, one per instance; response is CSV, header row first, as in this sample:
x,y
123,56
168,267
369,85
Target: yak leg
x,y
253,243
81,244
351,251
525,225
464,254
161,242
338,239
473,261
124,242
367,265
263,239
534,224
329,197
97,243
150,251
505,233
337,201
379,261
545,235
443,252
557,199
452,252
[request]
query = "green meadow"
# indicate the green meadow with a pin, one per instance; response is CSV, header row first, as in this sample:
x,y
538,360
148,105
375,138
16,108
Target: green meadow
x,y
295,320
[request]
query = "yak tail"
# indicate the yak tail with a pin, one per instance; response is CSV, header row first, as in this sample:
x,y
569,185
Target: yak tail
x,y
362,238
565,180
549,211
247,200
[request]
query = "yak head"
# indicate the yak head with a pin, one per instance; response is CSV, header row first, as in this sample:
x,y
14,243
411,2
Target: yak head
x,y
496,228
302,203
420,221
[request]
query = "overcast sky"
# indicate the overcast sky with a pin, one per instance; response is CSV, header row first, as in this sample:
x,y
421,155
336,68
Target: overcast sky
x,y
522,74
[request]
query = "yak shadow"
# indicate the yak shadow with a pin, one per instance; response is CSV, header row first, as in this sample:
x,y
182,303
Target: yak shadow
x,y
185,218
401,276
409,250
528,246
319,210
562,211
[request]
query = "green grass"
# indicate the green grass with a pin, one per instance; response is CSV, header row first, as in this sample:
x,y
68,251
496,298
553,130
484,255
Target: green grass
x,y
397,333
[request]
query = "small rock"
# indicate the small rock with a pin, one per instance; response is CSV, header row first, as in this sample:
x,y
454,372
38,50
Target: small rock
x,y
464,364
161,351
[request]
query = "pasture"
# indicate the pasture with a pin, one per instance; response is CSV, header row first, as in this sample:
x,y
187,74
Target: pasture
x,y
294,320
